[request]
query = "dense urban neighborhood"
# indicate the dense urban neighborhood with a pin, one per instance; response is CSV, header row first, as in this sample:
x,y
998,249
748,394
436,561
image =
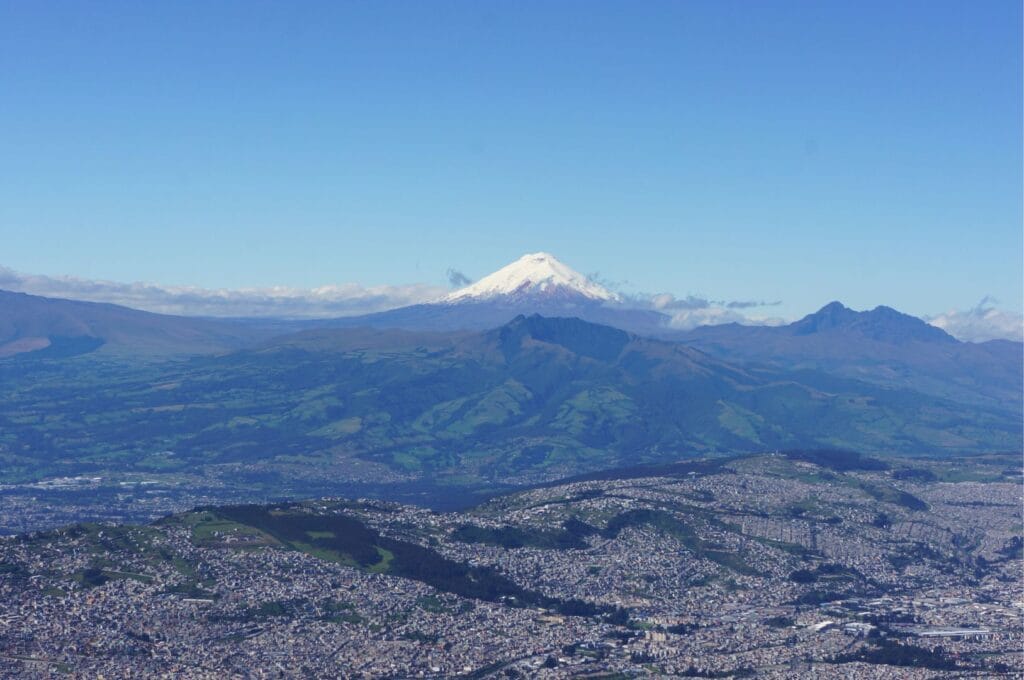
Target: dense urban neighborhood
x,y
795,565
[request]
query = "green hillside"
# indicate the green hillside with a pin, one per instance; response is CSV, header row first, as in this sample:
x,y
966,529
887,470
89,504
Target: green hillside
x,y
534,400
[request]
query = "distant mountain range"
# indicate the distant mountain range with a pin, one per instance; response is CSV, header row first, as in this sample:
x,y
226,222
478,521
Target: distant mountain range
x,y
533,400
881,346
537,283
38,327
532,372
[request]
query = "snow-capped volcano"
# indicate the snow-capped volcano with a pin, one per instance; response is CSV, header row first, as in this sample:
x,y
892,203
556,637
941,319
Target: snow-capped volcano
x,y
538,276
534,284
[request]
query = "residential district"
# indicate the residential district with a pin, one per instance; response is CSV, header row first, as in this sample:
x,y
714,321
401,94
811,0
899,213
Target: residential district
x,y
764,566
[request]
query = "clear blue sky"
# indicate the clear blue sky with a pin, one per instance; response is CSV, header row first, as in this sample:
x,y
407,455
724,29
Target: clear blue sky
x,y
802,151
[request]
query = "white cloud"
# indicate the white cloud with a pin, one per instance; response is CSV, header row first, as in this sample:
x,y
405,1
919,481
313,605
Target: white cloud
x,y
982,322
347,299
766,321
706,316
693,310
279,301
668,302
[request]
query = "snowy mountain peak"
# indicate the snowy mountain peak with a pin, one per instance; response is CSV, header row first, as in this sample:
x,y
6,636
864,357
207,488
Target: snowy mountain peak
x,y
533,275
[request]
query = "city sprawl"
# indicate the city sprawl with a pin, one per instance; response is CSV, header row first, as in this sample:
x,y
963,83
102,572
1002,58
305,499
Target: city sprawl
x,y
780,566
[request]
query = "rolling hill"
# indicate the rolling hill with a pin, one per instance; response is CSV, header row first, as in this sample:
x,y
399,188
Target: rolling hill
x,y
533,400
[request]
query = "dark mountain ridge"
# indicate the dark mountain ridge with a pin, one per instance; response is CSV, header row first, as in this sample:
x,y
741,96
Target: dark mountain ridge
x,y
484,314
884,324
882,346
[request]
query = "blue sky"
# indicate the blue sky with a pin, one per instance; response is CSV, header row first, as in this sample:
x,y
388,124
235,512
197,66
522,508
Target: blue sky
x,y
796,151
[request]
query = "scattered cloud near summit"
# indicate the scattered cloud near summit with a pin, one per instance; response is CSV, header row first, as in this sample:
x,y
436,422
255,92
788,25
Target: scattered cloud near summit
x,y
747,304
692,311
980,323
345,299
665,301
715,315
457,279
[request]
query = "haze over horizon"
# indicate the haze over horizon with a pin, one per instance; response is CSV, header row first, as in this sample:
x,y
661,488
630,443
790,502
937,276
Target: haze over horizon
x,y
978,324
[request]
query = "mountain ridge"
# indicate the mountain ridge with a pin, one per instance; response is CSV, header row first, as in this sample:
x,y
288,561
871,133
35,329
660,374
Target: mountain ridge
x,y
882,346
880,323
30,323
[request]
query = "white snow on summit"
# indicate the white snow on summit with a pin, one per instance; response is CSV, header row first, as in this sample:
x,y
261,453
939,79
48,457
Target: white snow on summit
x,y
532,275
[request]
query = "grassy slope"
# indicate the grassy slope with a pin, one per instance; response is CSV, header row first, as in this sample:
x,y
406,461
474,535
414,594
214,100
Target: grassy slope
x,y
480,407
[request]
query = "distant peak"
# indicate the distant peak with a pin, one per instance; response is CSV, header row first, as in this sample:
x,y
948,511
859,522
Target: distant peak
x,y
833,315
578,336
534,275
881,323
